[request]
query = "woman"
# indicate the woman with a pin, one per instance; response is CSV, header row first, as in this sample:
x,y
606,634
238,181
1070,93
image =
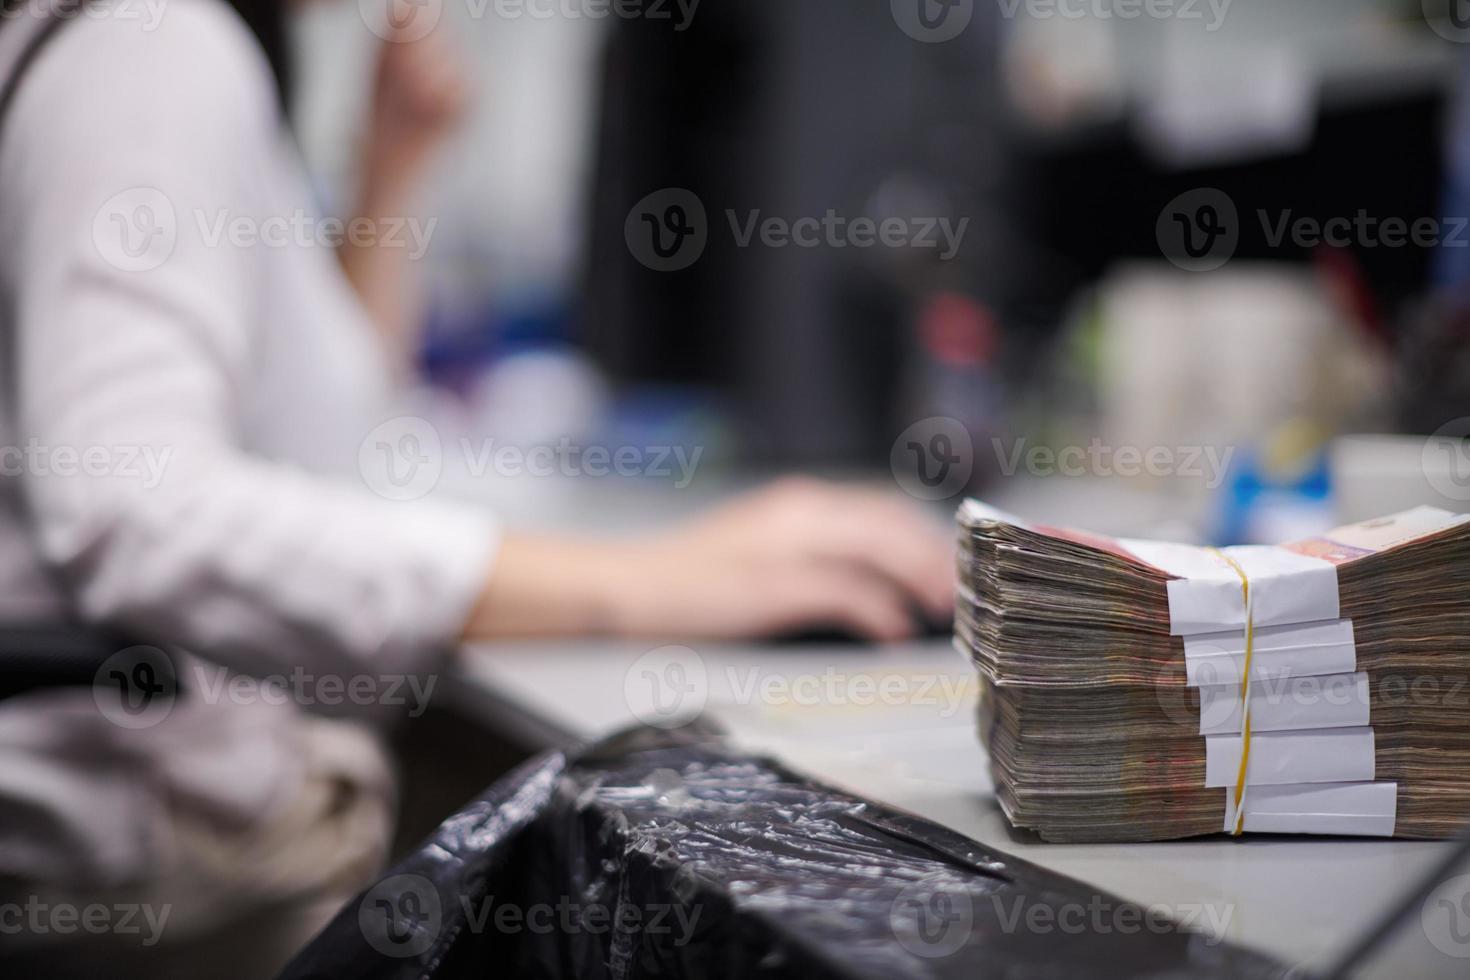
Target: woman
x,y
251,372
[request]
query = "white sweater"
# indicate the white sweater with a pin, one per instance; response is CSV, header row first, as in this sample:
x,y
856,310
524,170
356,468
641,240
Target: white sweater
x,y
207,399
246,372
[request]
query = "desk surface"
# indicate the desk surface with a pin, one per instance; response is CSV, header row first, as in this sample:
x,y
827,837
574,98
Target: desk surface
x,y
822,711
897,725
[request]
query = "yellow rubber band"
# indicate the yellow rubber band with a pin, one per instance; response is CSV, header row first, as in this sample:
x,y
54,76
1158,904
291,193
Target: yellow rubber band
x,y
1245,700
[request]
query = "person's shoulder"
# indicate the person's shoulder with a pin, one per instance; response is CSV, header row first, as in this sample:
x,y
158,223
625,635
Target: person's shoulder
x,y
180,100
167,62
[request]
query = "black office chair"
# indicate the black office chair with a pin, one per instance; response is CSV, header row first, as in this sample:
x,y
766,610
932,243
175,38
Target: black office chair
x,y
42,656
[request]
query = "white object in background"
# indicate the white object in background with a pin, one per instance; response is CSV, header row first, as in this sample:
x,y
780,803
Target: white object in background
x,y
537,398
1062,72
1215,103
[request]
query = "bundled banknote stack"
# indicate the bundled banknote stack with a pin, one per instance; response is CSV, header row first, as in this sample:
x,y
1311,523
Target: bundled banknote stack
x,y
1113,673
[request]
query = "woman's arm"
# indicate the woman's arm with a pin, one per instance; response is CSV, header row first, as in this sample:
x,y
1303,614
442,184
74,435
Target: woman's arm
x,y
796,555
418,98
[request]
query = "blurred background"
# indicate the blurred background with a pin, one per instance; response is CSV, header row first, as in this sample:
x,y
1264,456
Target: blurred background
x,y
1217,251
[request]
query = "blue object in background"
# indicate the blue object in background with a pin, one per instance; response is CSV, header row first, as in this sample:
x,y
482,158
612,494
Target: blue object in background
x,y
457,347
1263,505
1451,269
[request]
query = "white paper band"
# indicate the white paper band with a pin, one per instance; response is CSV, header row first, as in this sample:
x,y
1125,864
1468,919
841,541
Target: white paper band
x,y
1331,755
1286,587
1350,809
1287,704
1301,650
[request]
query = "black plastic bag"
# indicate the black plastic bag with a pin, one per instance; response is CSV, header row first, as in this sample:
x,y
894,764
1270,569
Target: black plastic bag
x,y
661,854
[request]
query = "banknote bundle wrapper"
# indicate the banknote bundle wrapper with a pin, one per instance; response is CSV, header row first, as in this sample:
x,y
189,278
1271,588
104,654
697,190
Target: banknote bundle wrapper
x,y
1111,678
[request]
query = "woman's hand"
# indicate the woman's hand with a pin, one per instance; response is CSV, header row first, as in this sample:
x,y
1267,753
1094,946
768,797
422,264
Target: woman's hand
x,y
419,98
798,555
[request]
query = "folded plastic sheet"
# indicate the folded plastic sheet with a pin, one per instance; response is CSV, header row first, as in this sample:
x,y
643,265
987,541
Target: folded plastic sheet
x,y
658,854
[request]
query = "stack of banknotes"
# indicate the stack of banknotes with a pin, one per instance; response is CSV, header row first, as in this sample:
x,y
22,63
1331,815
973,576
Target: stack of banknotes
x,y
1111,672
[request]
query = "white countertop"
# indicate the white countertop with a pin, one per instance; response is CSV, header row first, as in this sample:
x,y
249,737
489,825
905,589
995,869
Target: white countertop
x,y
897,725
